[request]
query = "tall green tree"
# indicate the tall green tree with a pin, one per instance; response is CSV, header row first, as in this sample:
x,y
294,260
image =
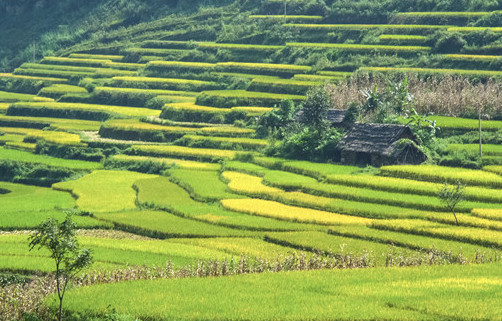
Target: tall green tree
x,y
68,256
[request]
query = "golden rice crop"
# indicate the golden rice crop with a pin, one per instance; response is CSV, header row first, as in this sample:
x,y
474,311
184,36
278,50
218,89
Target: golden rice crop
x,y
155,51
487,73
235,46
443,14
253,110
441,174
227,130
472,57
179,163
51,73
75,61
248,184
196,108
48,79
493,169
413,38
55,137
134,124
100,57
180,151
361,26
126,111
334,73
286,212
246,66
289,17
491,214
47,135
474,29
180,65
358,47
242,141
59,89
125,66
139,91
160,80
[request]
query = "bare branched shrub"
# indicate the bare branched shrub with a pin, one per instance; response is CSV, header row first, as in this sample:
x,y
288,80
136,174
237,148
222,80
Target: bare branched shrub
x,y
443,95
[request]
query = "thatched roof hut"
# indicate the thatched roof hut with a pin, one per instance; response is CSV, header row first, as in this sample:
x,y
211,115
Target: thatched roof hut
x,y
380,144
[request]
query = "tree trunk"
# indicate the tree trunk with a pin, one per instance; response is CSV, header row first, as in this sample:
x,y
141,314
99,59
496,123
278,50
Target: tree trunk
x,y
60,314
454,215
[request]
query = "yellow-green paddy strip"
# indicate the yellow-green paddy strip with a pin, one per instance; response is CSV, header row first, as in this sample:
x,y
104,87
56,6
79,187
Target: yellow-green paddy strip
x,y
450,292
104,191
358,47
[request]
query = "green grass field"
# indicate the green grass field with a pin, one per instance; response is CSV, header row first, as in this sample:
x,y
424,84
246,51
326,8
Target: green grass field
x,y
433,293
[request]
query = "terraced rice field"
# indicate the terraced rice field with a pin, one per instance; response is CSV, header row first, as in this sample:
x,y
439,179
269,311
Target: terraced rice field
x,y
182,177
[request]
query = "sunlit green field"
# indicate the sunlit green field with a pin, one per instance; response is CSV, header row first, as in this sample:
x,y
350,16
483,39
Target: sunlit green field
x,y
427,293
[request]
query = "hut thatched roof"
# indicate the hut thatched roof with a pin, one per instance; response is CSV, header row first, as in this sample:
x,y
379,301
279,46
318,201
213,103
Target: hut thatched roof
x,y
336,116
375,138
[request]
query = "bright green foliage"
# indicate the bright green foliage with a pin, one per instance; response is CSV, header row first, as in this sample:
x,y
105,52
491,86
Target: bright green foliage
x,y
58,90
435,293
104,191
494,169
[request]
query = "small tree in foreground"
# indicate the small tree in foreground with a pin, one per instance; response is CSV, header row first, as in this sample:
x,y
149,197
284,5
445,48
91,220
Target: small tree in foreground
x,y
451,196
62,243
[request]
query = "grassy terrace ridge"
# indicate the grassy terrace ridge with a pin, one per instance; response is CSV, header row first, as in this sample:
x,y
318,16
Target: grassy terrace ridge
x,y
13,97
363,26
443,14
403,38
150,92
472,57
474,29
486,73
56,106
99,57
15,155
75,61
47,79
287,17
356,47
436,293
235,46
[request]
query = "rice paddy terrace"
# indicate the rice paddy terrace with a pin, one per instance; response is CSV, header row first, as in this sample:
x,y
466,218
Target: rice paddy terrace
x,y
148,142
